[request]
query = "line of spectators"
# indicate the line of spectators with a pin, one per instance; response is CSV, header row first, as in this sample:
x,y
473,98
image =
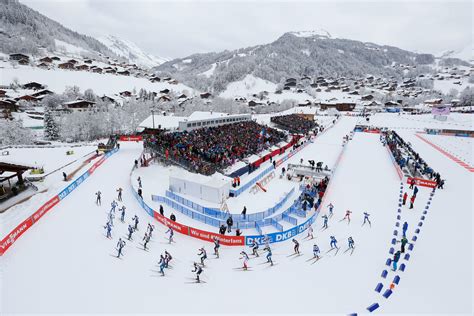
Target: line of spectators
x,y
294,123
207,149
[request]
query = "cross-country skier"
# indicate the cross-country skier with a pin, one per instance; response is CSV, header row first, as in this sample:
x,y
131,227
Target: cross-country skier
x,y
162,265
198,270
296,248
254,247
150,229
119,195
203,254
266,240
325,218
111,218
245,257
396,257
122,214
404,229
167,259
330,207
269,254
146,239
348,216
350,242
108,228
98,200
415,190
405,196
130,232
120,245
366,218
310,232
333,242
216,246
316,251
135,218
171,232
113,205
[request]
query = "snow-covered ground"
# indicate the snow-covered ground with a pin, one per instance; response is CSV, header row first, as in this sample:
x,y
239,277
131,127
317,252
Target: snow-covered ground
x,y
65,264
57,80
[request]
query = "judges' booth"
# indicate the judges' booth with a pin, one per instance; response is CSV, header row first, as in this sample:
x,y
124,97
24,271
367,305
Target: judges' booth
x,y
207,188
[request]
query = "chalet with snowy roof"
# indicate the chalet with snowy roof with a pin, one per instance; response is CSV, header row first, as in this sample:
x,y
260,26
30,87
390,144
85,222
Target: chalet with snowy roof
x,y
18,57
66,65
56,58
124,73
111,71
164,98
82,67
165,91
367,97
205,95
8,105
79,105
340,106
155,79
125,94
43,65
391,103
28,98
24,62
253,103
72,61
42,93
97,70
3,93
33,86
433,101
88,61
46,60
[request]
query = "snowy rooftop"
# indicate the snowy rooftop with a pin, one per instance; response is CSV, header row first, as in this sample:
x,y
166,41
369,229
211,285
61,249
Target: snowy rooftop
x,y
168,122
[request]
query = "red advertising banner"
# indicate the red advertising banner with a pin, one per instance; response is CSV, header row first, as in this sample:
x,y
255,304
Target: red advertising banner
x,y
177,227
208,236
45,208
422,182
131,138
96,165
14,235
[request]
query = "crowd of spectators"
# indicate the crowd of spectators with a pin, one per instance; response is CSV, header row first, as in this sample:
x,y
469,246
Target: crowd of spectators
x,y
208,149
406,157
294,123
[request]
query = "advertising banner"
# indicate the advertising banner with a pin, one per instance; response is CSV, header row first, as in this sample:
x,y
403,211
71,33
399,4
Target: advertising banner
x,y
442,110
224,240
422,182
131,138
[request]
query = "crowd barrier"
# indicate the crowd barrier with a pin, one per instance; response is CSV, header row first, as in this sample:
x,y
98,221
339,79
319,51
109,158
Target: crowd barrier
x,y
10,238
395,164
213,212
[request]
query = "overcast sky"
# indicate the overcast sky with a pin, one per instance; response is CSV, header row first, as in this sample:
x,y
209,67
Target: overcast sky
x,y
180,28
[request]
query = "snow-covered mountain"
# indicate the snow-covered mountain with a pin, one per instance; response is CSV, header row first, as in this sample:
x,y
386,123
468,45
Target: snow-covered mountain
x,y
294,54
465,54
131,51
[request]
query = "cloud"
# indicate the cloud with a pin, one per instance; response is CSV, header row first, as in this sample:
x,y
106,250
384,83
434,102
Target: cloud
x,y
180,28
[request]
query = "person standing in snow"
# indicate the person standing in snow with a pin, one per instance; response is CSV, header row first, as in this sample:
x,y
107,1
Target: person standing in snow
x,y
412,201
316,251
405,196
135,218
351,242
310,232
244,212
403,241
254,247
146,239
330,207
162,264
396,257
216,246
122,214
366,219
98,200
171,232
130,232
325,218
119,195
333,242
245,258
229,222
404,228
139,182
203,254
415,190
269,254
108,229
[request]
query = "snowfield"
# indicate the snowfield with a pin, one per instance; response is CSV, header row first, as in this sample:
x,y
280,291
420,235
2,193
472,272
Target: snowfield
x,y
57,80
65,264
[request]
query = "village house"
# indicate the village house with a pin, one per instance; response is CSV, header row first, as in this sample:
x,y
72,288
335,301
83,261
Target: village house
x,y
205,95
19,57
33,86
66,66
82,67
97,70
79,105
125,94
47,60
8,105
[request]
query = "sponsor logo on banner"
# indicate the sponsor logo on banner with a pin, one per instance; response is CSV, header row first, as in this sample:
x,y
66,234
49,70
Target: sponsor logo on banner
x,y
208,236
422,182
13,236
45,208
96,165
131,138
